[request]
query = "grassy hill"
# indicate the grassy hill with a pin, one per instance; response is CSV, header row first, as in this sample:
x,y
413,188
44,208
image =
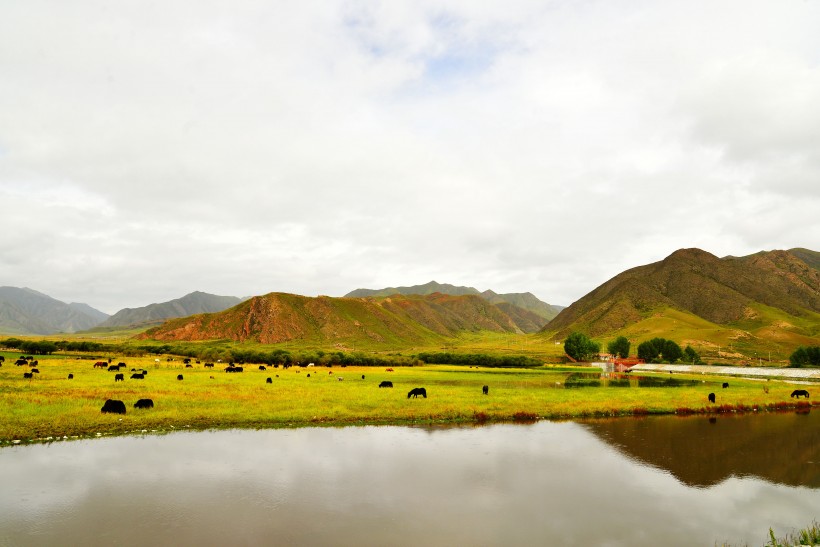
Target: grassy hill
x,y
387,322
741,307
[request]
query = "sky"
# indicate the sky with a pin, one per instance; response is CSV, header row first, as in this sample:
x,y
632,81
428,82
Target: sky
x,y
150,149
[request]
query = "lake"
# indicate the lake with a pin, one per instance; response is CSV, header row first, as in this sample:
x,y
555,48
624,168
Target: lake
x,y
651,481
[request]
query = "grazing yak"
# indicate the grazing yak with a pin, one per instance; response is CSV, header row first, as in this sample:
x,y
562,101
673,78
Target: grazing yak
x,y
138,376
113,406
416,391
725,385
269,381
70,376
144,403
189,366
485,390
386,383
797,393
263,367
209,365
711,397
119,377
179,377
231,368
113,367
28,375
35,371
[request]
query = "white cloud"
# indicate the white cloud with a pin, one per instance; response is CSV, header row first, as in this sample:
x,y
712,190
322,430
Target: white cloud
x,y
321,147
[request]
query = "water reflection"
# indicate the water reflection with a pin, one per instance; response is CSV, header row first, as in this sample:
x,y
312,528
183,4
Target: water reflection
x,y
548,484
781,447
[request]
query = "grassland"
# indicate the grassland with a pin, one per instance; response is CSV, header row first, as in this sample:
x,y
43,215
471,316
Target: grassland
x,y
52,406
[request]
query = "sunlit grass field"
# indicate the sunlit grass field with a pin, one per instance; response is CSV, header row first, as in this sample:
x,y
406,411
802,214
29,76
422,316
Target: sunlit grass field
x,y
50,405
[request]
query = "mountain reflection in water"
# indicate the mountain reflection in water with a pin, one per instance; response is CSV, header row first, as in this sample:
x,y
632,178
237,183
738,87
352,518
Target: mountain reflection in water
x,y
700,451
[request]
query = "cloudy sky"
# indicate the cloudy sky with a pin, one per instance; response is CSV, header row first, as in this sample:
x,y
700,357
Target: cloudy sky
x,y
149,149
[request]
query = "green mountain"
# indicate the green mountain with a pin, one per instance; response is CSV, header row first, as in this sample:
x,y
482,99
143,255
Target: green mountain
x,y
26,311
391,321
767,298
190,304
531,316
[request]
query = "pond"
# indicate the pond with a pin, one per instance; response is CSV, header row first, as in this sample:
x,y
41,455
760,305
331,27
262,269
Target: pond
x,y
669,480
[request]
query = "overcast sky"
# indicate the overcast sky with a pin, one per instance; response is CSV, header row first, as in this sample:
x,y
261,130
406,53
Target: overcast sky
x,y
149,149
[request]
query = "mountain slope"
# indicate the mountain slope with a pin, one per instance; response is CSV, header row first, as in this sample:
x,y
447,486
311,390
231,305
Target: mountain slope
x,y
390,321
26,311
728,291
524,300
190,304
427,288
531,316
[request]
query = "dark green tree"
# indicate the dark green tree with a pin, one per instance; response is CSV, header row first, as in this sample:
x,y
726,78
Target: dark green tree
x,y
619,347
671,351
651,349
690,355
580,347
805,356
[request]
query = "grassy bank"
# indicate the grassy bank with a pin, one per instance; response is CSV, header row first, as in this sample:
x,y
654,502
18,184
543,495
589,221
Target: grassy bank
x,y
50,405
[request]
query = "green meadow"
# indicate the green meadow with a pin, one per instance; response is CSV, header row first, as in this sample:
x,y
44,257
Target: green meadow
x,y
52,406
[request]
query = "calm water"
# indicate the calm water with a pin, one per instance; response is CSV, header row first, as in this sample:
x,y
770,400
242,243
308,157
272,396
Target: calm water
x,y
669,481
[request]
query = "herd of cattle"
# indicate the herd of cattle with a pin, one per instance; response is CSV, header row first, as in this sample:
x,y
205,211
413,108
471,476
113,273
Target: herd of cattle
x,y
118,407
114,406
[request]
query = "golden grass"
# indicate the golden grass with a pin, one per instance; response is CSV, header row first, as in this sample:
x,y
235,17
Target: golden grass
x,y
53,406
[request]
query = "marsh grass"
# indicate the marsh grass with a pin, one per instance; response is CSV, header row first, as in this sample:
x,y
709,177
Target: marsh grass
x,y
50,405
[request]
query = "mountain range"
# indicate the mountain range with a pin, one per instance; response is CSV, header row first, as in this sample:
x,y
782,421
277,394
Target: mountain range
x,y
26,311
526,301
190,304
765,301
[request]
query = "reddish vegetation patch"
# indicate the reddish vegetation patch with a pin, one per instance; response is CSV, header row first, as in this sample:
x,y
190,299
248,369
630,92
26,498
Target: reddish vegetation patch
x,y
683,411
481,417
640,411
524,417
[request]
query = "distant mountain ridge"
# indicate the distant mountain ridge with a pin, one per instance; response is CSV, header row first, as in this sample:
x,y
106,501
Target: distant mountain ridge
x,y
773,291
527,301
26,311
190,304
391,320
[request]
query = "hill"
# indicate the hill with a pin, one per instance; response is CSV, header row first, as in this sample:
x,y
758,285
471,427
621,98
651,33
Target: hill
x,y
772,296
26,311
393,321
527,302
190,304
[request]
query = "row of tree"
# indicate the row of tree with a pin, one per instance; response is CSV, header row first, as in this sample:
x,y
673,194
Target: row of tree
x,y
581,348
805,356
478,360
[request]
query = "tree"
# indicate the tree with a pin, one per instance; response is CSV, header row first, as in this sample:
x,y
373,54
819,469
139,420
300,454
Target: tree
x,y
671,351
580,347
619,347
805,355
651,349
690,355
